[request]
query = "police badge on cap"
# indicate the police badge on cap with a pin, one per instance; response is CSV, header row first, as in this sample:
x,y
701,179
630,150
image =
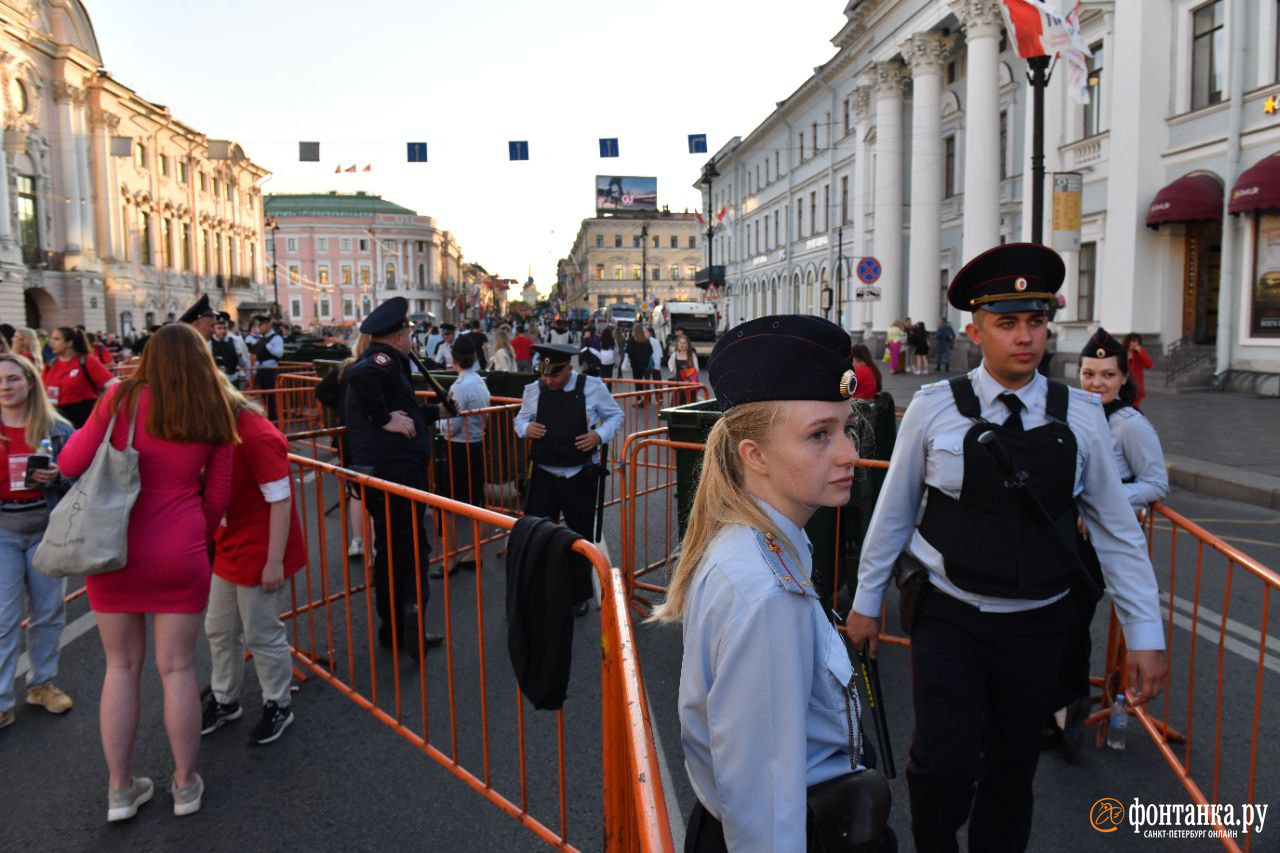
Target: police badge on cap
x,y
782,357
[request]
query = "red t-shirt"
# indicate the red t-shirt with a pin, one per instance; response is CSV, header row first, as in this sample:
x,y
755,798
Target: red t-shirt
x,y
261,457
866,382
66,381
13,465
523,347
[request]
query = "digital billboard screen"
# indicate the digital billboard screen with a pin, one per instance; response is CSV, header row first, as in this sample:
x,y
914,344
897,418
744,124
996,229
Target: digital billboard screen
x,y
626,194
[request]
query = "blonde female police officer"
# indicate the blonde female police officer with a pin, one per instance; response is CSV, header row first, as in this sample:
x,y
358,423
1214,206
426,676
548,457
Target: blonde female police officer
x,y
990,626
766,705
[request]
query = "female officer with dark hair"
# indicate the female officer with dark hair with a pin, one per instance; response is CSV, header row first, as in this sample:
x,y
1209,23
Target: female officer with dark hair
x,y
1104,370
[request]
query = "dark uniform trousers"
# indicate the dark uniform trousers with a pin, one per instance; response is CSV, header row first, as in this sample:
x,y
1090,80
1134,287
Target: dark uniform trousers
x,y
399,581
982,686
575,497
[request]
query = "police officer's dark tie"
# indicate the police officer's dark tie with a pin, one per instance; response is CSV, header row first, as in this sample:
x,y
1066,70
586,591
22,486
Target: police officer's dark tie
x,y
1015,406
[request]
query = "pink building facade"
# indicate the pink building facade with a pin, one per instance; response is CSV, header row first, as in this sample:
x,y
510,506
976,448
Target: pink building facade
x,y
333,257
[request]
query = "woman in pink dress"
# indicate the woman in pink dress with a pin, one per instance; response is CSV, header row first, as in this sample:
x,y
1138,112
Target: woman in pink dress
x,y
185,430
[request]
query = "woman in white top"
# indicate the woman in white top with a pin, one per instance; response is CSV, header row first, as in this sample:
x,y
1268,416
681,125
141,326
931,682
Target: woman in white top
x,y
504,357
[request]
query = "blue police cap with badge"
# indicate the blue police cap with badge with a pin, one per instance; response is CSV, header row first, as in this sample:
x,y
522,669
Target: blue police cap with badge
x,y
1103,345
1009,278
556,353
197,311
782,357
390,316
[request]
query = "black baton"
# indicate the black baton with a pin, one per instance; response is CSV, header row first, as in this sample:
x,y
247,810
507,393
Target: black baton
x,y
448,404
601,473
875,698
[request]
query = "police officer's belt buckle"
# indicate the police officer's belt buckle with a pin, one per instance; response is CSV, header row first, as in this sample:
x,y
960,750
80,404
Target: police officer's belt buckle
x,y
912,579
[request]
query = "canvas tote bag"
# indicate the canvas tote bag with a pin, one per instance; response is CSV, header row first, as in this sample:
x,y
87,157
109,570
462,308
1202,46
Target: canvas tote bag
x,y
88,532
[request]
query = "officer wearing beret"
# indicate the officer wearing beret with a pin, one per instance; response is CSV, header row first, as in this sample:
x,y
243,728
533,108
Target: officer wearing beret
x,y
768,707
990,625
390,432
567,415
200,317
1104,370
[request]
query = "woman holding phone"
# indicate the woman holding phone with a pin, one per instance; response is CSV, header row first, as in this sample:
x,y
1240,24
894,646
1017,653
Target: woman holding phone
x,y
28,490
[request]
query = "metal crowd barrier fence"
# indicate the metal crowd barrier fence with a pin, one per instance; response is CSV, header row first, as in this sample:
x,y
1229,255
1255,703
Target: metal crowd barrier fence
x,y
459,706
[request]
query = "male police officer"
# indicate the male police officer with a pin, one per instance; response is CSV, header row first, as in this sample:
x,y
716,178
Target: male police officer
x,y
991,622
228,351
390,432
568,415
200,317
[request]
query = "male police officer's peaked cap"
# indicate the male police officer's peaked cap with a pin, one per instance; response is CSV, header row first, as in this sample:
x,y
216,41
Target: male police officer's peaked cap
x,y
463,347
200,309
556,353
1103,345
1009,278
782,357
390,316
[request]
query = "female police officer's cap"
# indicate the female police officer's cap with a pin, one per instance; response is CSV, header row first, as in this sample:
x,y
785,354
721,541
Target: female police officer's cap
x,y
782,357
1009,278
390,316
1103,345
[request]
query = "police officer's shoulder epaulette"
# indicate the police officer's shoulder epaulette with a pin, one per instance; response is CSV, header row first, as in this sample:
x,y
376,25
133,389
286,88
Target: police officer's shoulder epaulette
x,y
1127,412
1085,396
933,388
775,558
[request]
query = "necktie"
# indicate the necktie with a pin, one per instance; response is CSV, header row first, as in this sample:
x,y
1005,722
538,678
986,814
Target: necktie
x,y
1015,407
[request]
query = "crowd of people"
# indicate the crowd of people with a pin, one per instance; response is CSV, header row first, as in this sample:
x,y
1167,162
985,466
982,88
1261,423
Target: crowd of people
x,y
998,589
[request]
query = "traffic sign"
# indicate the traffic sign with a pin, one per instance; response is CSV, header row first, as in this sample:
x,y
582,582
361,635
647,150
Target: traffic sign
x,y
867,294
868,270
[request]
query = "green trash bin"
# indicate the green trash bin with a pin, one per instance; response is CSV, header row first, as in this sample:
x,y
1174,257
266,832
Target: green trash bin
x,y
832,547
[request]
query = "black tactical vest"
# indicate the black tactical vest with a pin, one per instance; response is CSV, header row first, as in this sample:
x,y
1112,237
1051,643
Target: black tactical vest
x,y
564,414
225,354
993,541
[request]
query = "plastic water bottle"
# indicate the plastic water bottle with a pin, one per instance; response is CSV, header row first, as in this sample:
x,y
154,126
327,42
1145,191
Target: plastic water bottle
x,y
1119,720
46,448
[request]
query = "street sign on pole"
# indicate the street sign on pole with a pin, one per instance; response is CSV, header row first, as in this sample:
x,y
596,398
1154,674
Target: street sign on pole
x,y
866,294
868,270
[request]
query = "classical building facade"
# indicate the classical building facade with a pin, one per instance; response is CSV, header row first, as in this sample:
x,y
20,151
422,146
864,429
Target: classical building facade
x,y
636,258
113,213
338,255
912,144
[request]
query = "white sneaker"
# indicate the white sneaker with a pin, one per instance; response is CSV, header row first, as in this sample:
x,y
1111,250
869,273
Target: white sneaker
x,y
186,799
356,548
122,803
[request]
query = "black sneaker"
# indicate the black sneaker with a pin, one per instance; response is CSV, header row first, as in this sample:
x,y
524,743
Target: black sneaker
x,y
273,723
215,715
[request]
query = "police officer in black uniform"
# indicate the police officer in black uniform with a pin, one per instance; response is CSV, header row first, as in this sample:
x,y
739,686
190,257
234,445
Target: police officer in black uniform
x,y
390,432
1002,459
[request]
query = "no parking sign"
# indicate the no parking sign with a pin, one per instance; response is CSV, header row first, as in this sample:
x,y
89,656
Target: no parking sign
x,y
868,270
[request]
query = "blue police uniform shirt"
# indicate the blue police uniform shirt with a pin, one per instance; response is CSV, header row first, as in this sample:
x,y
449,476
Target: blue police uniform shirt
x,y
470,393
762,702
1139,457
603,415
930,451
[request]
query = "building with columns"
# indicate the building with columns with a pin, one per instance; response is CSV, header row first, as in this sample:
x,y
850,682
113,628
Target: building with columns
x,y
912,144
113,213
338,255
632,258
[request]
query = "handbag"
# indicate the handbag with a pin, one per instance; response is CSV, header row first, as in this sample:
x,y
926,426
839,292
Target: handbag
x,y
88,532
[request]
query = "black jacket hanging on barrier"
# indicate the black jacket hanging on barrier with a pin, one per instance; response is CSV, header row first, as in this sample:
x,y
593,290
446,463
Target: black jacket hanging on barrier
x,y
540,598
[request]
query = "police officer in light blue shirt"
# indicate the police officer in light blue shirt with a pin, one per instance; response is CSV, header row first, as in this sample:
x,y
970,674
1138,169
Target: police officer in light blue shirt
x,y
1001,458
567,416
768,707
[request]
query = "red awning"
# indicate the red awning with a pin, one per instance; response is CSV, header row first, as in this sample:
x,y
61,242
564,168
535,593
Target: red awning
x,y
1258,187
1191,198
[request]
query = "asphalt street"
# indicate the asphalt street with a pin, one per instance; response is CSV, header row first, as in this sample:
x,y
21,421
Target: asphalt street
x,y
341,779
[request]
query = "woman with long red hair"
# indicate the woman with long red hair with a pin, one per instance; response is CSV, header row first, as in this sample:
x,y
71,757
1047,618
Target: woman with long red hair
x,y
185,427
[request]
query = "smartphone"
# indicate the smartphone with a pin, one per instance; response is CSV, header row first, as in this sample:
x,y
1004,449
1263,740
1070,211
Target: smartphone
x,y
36,462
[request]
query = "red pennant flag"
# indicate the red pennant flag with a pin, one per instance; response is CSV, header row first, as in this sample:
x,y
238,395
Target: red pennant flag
x,y
337,169
351,168
368,168
698,216
720,216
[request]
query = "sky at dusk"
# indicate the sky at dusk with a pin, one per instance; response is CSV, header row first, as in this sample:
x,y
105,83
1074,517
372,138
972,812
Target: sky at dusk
x,y
466,77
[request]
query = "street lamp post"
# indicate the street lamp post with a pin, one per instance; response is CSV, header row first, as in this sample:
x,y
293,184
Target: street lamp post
x,y
274,226
644,263
709,174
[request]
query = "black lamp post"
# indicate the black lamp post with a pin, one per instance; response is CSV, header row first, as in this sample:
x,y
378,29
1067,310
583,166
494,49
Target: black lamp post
x,y
273,227
709,174
644,263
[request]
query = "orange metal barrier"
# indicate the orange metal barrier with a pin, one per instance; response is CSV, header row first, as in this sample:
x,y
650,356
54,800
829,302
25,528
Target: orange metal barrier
x,y
1213,593
457,707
